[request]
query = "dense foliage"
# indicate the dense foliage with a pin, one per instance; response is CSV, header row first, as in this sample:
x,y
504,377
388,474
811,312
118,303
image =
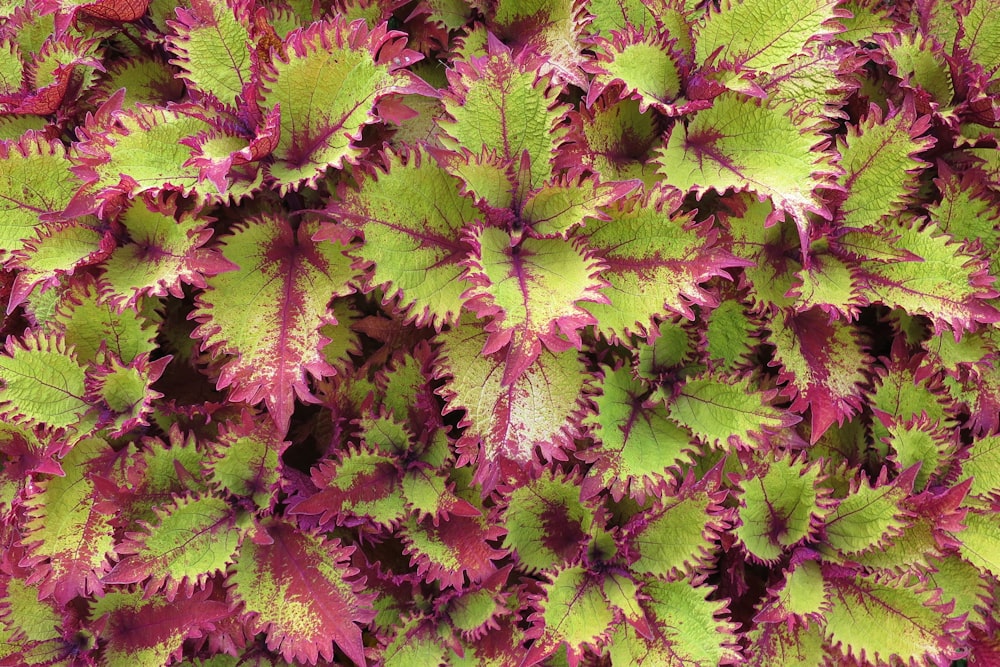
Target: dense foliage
x,y
500,332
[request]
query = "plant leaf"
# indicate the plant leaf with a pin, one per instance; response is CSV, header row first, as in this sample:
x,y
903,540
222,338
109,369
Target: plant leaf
x,y
69,534
870,515
245,460
637,444
735,144
449,551
327,88
532,290
299,590
288,281
42,382
728,414
575,612
412,217
211,42
507,421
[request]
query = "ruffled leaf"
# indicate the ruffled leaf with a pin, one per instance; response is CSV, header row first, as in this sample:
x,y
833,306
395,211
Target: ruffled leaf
x,y
532,512
69,533
506,422
194,538
35,179
533,291
212,44
802,594
42,382
485,101
411,218
165,251
287,280
687,629
911,627
657,259
299,590
870,515
454,551
677,535
245,459
823,362
363,484
780,506
880,164
646,63
327,88
139,630
637,444
728,414
720,149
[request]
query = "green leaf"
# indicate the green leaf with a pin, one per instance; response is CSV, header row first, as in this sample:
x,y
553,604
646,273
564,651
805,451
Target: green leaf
x,y
645,63
657,259
637,444
940,279
69,533
880,164
412,217
166,250
982,463
763,34
536,506
910,627
575,612
779,507
35,178
686,626
299,590
869,516
748,145
212,45
728,413
506,422
193,538
784,645
533,291
327,88
677,535
731,336
802,594
245,460
980,36
921,441
500,105
41,382
287,281
980,541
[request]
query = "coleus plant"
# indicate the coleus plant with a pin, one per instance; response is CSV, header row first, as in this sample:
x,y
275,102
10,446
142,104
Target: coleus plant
x,y
510,333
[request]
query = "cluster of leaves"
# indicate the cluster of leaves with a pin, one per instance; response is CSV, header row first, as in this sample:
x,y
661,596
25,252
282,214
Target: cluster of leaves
x,y
500,332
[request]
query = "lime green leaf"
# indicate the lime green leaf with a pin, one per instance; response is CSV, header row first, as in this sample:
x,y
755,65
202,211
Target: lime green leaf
x,y
30,628
212,45
300,590
500,105
687,629
920,441
982,463
287,281
939,279
563,204
920,65
165,251
763,34
966,211
245,459
637,443
535,506
533,291
910,627
815,83
656,259
731,336
880,164
980,541
575,612
980,36
506,422
748,145
964,584
94,329
784,645
802,594
645,63
412,217
34,179
363,483
870,515
678,534
728,413
41,382
69,533
192,539
327,88
453,552
779,507
124,392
